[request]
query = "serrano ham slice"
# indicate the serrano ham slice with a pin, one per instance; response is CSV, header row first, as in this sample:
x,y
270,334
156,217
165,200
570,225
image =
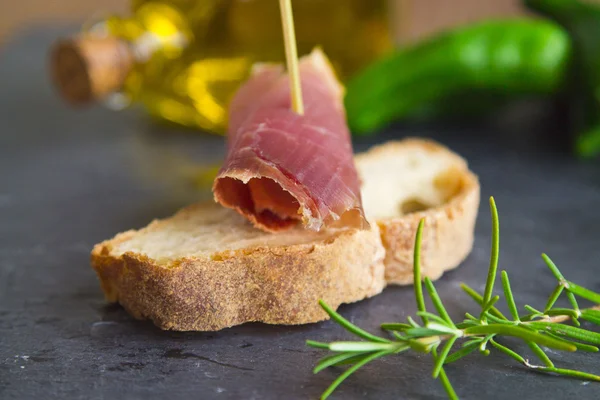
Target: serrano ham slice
x,y
283,168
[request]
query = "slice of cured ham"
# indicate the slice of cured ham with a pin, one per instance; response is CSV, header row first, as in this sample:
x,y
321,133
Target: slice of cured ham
x,y
282,168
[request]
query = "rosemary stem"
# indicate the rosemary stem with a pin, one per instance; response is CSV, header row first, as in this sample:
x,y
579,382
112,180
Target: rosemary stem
x,y
538,329
561,318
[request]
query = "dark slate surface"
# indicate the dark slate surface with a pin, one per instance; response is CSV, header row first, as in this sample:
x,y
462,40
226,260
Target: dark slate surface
x,y
70,179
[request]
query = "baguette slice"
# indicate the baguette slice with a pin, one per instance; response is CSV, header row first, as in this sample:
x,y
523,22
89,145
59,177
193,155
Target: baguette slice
x,y
408,180
206,268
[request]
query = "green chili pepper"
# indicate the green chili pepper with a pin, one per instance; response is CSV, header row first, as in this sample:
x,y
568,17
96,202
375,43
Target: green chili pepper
x,y
507,57
582,22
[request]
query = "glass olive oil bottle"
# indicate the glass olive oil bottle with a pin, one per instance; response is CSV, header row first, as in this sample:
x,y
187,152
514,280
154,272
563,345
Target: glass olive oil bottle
x,y
184,59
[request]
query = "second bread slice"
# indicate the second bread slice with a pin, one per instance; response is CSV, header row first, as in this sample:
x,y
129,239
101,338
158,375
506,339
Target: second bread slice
x,y
407,180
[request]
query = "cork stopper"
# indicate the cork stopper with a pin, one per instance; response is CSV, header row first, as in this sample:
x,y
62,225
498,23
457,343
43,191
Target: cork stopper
x,y
87,68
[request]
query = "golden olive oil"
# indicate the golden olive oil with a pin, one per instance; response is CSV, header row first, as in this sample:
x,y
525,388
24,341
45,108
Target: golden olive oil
x,y
190,56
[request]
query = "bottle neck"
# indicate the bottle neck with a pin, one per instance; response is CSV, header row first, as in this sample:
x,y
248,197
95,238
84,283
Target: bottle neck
x,y
87,68
96,63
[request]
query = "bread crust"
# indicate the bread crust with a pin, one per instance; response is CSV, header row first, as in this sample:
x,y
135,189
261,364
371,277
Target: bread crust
x,y
274,285
282,284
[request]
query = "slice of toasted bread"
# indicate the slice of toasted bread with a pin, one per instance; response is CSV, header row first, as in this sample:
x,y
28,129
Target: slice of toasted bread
x,y
207,268
411,179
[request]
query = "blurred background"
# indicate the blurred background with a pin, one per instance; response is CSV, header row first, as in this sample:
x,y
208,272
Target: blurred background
x,y
401,60
418,17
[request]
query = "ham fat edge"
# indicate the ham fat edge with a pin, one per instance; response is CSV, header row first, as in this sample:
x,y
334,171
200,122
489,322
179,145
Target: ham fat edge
x,y
283,168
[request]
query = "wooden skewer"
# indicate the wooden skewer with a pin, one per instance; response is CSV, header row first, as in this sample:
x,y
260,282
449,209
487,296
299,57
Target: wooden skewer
x,y
291,55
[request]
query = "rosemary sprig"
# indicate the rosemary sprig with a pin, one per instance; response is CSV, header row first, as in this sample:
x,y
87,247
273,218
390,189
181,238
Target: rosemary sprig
x,y
438,334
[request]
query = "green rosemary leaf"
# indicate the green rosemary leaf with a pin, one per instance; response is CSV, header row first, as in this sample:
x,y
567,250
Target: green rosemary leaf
x,y
466,324
329,361
595,311
444,328
491,303
526,326
464,351
417,270
593,320
568,331
537,350
573,314
573,302
561,279
437,302
583,292
474,342
424,332
562,311
420,346
554,296
592,316
585,347
362,346
528,317
550,313
317,345
553,268
367,359
412,322
507,351
498,320
491,278
484,342
488,305
350,327
510,300
399,336
395,326
534,311
445,381
441,359
580,346
569,372
353,359
434,317
400,349
479,300
522,333
471,317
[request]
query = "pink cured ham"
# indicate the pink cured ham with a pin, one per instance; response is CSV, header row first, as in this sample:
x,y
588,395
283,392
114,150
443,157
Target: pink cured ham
x,y
281,167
